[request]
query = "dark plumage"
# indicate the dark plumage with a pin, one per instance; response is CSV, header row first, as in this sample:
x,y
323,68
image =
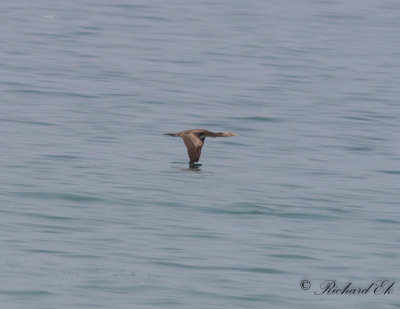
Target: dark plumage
x,y
194,140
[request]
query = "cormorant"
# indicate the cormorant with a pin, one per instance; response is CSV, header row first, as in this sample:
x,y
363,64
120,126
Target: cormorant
x,y
194,140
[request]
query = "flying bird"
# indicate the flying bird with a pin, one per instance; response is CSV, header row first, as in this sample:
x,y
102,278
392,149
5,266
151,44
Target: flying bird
x,y
194,141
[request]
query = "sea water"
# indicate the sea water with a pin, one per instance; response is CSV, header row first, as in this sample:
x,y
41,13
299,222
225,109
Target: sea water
x,y
100,210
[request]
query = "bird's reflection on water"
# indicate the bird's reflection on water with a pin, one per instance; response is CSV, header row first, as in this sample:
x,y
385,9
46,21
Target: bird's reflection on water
x,y
193,167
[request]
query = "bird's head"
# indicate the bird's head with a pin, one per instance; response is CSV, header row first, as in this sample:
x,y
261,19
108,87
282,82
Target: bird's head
x,y
229,134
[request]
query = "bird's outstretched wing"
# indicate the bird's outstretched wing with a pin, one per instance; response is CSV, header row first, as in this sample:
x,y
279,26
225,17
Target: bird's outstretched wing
x,y
193,145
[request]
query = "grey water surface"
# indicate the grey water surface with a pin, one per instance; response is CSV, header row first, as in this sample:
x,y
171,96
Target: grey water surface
x,y
98,209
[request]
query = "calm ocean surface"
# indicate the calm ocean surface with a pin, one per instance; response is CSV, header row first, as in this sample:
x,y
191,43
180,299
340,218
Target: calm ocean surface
x,y
99,209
